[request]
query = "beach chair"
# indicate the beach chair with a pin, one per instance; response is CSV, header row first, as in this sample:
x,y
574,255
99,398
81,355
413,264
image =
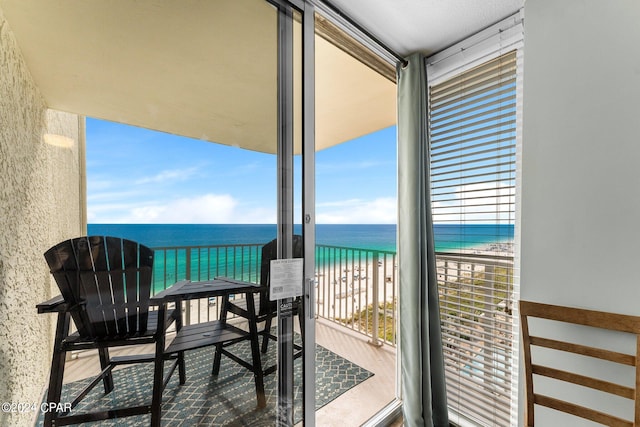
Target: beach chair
x,y
105,285
267,309
571,371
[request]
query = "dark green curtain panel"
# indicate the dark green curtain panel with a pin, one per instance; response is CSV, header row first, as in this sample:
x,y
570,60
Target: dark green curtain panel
x,y
424,396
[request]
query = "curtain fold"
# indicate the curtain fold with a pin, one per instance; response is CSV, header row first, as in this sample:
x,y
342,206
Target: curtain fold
x,y
423,384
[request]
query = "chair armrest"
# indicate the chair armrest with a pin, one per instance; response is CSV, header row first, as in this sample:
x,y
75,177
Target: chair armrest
x,y
54,305
169,317
238,310
172,315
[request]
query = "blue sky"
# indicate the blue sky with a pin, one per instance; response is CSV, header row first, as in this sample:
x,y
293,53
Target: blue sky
x,y
139,176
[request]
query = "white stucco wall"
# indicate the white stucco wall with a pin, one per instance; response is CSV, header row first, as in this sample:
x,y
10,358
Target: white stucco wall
x,y
581,156
40,196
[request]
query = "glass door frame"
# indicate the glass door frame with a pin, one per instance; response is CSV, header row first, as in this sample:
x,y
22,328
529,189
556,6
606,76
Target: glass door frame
x,y
285,196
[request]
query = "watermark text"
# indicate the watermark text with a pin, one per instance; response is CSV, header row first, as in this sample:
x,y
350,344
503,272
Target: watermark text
x,y
24,407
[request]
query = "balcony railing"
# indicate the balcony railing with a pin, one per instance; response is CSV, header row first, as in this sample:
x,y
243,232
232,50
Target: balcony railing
x,y
175,263
356,288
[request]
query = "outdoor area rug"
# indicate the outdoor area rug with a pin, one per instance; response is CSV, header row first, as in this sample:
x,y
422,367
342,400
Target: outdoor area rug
x,y
228,399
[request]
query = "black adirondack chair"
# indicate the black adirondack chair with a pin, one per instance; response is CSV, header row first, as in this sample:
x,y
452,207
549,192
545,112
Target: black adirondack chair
x,y
267,309
105,286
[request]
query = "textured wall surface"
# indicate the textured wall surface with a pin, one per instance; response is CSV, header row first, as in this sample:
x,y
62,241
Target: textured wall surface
x,y
39,206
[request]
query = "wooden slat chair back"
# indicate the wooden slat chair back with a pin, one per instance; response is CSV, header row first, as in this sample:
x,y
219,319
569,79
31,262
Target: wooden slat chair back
x,y
595,319
107,281
105,285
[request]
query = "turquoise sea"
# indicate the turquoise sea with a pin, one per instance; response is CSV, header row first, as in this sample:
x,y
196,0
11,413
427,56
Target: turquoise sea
x,y
233,250
364,236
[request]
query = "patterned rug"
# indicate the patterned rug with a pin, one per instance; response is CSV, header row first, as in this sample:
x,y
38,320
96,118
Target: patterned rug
x,y
226,400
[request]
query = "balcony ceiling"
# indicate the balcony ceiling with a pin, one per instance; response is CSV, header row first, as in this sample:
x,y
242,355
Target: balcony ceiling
x,y
206,69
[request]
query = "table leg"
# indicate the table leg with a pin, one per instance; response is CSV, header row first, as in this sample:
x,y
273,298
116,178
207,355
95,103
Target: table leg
x,y
181,370
217,357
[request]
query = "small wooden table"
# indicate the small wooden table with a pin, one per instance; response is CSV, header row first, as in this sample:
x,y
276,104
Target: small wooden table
x,y
217,332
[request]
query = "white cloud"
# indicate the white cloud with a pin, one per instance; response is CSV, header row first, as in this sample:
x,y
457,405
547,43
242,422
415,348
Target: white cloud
x,y
114,196
205,209
171,175
358,211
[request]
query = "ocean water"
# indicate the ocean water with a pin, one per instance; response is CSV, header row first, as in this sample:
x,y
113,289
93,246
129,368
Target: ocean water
x,y
242,262
365,236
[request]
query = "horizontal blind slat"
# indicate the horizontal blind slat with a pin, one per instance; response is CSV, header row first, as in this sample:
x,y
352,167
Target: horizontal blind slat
x,y
503,189
477,92
474,111
489,67
504,129
481,141
474,157
501,164
471,179
496,137
450,109
471,80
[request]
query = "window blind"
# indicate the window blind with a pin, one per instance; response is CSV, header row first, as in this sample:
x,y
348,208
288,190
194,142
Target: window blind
x,y
472,127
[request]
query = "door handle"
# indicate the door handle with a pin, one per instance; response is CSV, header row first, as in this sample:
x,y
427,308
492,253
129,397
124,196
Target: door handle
x,y
311,298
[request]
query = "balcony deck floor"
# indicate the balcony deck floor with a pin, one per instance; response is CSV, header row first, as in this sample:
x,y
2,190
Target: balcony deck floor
x,y
351,408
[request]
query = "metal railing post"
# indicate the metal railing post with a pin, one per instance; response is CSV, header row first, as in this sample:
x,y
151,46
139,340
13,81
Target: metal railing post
x,y
187,311
488,323
375,341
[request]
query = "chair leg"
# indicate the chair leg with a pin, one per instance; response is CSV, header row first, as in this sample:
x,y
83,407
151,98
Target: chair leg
x,y
181,370
217,358
258,373
158,379
158,372
104,362
57,367
301,323
266,334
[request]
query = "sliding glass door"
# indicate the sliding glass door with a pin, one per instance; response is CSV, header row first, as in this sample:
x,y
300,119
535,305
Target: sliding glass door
x,y
296,216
